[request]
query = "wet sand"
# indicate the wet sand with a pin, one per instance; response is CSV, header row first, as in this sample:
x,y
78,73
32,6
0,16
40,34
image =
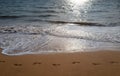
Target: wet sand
x,y
105,63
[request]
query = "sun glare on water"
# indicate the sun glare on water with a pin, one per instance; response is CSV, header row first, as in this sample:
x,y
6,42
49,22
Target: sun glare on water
x,y
78,8
78,2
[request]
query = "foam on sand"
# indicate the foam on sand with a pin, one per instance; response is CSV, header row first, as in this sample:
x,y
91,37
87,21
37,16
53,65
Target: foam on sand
x,y
18,40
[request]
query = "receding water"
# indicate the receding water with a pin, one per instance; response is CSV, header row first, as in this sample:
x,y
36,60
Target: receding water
x,y
52,26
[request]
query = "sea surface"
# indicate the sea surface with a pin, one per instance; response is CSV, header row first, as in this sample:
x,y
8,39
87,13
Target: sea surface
x,y
59,26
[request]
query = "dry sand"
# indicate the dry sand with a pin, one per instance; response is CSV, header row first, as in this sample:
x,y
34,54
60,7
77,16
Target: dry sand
x,y
76,64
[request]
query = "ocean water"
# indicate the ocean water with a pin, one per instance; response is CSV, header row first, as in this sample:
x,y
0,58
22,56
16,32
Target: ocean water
x,y
59,26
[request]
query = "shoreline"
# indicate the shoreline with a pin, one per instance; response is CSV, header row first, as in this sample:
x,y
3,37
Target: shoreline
x,y
101,63
71,52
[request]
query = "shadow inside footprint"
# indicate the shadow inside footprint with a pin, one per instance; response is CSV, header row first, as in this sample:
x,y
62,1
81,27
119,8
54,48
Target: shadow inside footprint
x,y
96,63
56,64
35,63
17,64
2,61
113,62
75,62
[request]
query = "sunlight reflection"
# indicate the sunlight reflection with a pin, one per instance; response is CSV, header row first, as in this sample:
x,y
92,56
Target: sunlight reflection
x,y
79,2
79,8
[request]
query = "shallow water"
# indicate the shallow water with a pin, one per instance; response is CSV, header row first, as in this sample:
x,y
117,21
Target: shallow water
x,y
52,26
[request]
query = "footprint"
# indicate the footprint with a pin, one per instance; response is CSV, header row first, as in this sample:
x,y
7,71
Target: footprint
x,y
56,64
2,61
35,63
96,63
113,62
75,62
17,64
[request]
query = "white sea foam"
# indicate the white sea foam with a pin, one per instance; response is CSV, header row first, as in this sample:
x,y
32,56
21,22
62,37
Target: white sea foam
x,y
19,40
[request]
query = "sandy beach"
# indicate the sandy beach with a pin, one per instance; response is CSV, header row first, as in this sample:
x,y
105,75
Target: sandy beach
x,y
59,37
105,63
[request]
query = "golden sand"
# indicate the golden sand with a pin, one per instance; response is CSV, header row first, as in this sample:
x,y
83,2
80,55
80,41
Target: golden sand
x,y
105,63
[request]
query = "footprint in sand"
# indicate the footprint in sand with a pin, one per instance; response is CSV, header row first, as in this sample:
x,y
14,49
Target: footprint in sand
x,y
37,63
2,61
113,62
75,62
56,64
96,63
17,64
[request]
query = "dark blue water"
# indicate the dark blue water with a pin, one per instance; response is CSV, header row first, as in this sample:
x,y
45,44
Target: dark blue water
x,y
25,11
59,26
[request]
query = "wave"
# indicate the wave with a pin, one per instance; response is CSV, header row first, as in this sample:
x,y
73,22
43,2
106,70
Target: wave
x,y
78,23
10,17
42,11
86,33
23,16
84,38
45,11
47,15
67,22
40,7
19,40
49,7
21,30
